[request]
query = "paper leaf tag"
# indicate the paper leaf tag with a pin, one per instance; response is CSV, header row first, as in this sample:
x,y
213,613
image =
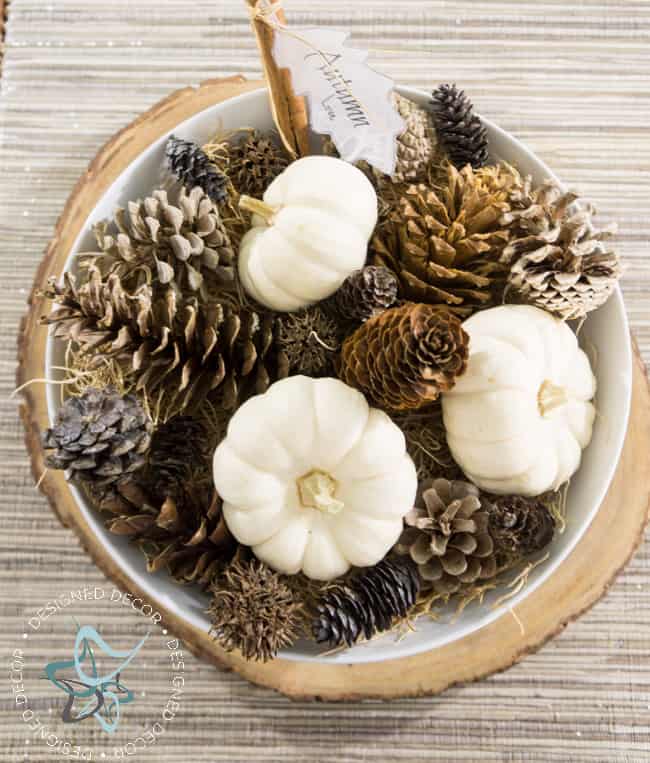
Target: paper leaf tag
x,y
347,99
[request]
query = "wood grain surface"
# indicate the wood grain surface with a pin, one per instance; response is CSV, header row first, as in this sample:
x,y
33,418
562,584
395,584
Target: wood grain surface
x,y
573,84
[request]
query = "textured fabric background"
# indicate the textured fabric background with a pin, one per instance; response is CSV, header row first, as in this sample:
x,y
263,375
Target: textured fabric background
x,y
572,81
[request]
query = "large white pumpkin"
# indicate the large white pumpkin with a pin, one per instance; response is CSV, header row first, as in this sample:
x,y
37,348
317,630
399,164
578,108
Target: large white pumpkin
x,y
519,417
309,233
313,478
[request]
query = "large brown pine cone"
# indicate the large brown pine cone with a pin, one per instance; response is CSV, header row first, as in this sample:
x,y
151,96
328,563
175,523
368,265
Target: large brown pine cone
x,y
444,243
557,259
161,339
186,535
405,357
99,436
447,536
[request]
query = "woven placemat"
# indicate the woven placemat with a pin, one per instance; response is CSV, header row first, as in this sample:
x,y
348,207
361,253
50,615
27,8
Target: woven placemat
x,y
575,87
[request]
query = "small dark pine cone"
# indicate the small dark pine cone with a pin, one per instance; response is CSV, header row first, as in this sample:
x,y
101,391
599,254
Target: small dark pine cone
x,y
190,164
366,604
460,131
99,436
176,446
520,525
364,294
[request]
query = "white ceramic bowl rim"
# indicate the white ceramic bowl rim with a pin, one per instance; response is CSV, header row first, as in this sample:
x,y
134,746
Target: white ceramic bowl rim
x,y
609,324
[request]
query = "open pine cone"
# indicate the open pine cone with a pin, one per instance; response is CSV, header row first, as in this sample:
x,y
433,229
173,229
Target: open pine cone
x,y
558,261
405,357
445,243
447,536
99,436
181,243
162,339
186,535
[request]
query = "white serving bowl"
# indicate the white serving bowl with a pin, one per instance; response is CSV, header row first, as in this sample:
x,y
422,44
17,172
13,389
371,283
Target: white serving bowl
x,y
605,331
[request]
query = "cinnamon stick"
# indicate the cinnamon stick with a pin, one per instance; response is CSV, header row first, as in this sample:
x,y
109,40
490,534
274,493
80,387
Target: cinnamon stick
x,y
289,110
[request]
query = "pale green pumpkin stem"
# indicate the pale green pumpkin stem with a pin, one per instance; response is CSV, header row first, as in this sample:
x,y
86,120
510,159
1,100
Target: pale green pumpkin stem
x,y
550,396
316,490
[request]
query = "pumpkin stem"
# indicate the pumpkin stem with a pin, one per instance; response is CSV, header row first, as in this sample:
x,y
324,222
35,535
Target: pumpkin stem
x,y
258,207
551,396
316,490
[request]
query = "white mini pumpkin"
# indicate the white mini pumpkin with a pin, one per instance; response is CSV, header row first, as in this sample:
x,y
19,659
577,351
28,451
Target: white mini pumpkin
x,y
518,418
313,478
309,233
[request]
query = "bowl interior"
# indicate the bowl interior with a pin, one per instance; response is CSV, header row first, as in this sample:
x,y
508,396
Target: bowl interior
x,y
604,335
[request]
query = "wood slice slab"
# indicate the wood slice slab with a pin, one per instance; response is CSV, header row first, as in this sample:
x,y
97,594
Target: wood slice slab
x,y
578,583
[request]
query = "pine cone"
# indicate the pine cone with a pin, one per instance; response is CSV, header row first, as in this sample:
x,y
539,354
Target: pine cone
x,y
417,146
405,357
520,526
176,447
444,244
364,294
185,535
253,610
459,130
99,436
254,163
447,536
182,244
366,604
189,163
161,340
308,341
557,259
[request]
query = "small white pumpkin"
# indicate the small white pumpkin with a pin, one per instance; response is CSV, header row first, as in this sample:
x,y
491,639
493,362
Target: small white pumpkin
x,y
518,418
309,233
313,478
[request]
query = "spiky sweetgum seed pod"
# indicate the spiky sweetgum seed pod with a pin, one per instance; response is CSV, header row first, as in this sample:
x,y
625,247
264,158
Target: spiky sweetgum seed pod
x,y
253,610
